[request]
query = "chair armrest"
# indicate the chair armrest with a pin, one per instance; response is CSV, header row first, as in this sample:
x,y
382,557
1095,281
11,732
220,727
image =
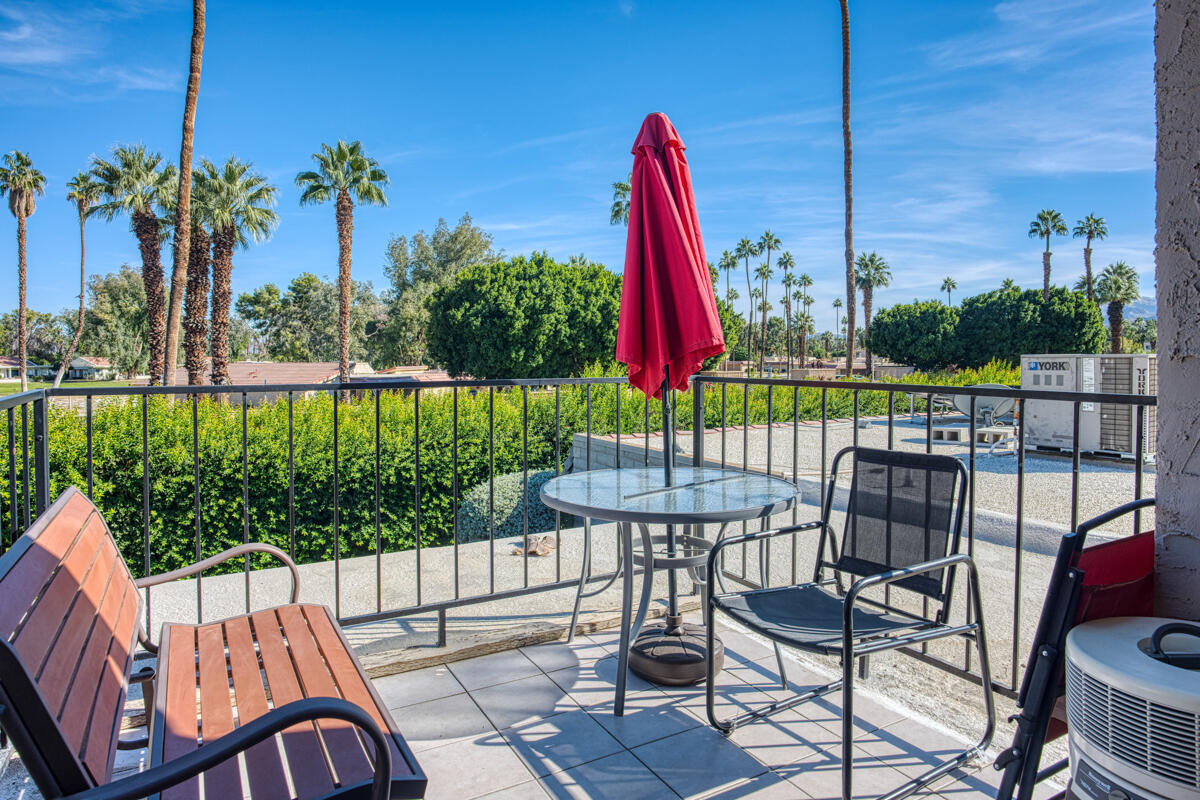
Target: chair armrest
x,y
212,561
752,537
212,753
891,576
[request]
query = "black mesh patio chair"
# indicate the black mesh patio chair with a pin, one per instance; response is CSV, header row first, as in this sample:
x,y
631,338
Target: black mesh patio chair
x,y
903,525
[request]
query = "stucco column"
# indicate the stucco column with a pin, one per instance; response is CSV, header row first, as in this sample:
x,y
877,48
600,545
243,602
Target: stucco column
x,y
1177,257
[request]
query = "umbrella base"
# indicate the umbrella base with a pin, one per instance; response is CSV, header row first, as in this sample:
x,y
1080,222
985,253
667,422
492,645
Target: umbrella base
x,y
673,654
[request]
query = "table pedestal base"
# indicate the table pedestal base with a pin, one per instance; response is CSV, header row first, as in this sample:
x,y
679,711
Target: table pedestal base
x,y
673,654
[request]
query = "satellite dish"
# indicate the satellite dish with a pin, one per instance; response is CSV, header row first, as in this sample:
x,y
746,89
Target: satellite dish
x,y
987,409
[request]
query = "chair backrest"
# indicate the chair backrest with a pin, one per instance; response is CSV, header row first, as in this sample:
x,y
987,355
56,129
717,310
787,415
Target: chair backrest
x,y
903,509
69,614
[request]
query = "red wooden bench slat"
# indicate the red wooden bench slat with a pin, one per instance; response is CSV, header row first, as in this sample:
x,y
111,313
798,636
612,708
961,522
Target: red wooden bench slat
x,y
341,738
305,754
53,609
264,766
216,709
110,697
351,681
176,712
27,577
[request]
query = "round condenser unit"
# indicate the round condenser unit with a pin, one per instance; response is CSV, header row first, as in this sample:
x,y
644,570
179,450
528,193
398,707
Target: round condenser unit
x,y
1133,709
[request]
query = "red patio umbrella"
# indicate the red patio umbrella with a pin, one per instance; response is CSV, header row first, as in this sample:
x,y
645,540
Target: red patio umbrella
x,y
668,326
669,322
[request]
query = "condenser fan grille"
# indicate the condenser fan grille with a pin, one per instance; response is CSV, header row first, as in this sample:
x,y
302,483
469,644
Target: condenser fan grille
x,y
1157,739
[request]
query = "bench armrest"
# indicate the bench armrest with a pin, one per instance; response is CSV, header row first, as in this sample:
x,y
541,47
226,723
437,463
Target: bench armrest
x,y
212,561
188,766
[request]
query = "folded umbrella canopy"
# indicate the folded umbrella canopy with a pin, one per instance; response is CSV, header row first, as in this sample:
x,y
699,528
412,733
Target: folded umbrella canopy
x,y
669,322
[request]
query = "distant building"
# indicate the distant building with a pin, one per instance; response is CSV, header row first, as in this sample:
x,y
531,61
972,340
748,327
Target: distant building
x,y
276,373
10,369
91,368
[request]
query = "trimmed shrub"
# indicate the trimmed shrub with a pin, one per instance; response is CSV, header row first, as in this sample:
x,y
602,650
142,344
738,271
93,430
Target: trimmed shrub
x,y
474,524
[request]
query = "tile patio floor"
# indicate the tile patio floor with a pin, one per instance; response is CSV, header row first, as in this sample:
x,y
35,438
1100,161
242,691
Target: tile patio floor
x,y
537,722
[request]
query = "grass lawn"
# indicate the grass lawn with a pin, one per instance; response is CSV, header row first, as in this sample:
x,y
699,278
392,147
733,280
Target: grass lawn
x,y
14,387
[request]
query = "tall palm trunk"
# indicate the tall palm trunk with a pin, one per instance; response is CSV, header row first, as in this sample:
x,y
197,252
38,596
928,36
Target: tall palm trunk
x,y
787,313
195,321
1087,269
762,353
22,332
70,352
1046,272
1116,324
803,344
847,178
868,293
750,325
183,201
345,228
145,228
222,269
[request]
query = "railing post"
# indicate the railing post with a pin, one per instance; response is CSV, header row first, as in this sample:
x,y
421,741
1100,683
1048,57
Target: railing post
x,y
697,423
41,454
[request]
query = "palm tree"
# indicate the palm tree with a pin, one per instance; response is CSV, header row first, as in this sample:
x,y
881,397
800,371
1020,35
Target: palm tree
x,y
1047,223
343,170
1118,285
619,213
1009,285
728,264
1089,228
764,273
764,306
847,177
744,250
23,184
766,243
199,280
805,282
786,263
837,310
138,183
755,295
240,206
183,200
84,192
872,272
805,327
948,285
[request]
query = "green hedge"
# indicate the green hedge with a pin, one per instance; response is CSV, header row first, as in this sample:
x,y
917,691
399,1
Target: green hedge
x,y
118,465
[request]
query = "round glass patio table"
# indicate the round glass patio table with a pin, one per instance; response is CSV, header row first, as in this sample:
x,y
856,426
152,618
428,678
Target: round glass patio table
x,y
628,497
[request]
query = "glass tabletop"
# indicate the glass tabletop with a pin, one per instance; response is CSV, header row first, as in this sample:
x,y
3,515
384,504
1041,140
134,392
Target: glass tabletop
x,y
696,495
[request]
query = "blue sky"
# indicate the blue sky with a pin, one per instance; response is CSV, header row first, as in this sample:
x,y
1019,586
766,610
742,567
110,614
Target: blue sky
x,y
967,116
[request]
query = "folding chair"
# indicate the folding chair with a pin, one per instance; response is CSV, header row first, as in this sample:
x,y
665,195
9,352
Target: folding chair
x,y
1115,578
903,526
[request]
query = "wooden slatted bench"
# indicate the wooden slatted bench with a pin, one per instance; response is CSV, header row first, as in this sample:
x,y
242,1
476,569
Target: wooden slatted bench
x,y
265,705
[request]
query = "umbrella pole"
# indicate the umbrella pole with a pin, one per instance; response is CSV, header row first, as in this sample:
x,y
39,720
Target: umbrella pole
x,y
673,619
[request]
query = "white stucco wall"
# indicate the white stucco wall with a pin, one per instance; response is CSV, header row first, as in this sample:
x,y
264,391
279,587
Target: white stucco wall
x,y
1177,255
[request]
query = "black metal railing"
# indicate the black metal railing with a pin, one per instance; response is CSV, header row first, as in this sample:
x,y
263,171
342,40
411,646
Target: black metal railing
x,y
531,417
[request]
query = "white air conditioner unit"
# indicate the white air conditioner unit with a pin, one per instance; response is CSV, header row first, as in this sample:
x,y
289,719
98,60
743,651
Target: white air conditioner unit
x,y
1133,715
1103,427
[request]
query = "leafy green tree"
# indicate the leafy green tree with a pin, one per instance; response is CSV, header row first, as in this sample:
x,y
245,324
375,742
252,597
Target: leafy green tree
x,y
871,272
115,323
921,333
344,173
804,329
85,193
1009,285
1047,223
733,326
302,323
1089,228
139,184
619,213
776,336
23,185
1118,285
949,285
524,318
416,267
1143,331
1002,325
46,335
